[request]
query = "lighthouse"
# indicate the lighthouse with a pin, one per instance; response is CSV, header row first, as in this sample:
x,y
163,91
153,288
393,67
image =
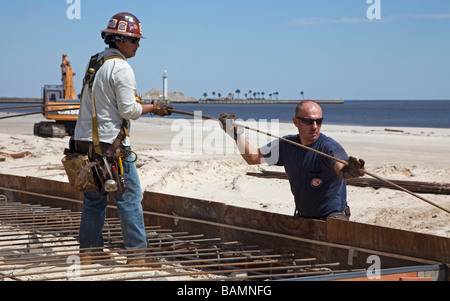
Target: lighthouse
x,y
165,85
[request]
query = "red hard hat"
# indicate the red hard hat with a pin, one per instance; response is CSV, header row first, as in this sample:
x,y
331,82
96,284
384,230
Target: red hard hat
x,y
124,24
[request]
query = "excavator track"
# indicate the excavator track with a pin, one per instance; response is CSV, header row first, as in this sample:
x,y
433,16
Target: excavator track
x,y
53,129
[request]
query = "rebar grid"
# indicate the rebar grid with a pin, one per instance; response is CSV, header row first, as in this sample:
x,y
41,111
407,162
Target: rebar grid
x,y
41,243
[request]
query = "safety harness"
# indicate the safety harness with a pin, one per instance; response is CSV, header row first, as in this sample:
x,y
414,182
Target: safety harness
x,y
106,161
97,165
94,65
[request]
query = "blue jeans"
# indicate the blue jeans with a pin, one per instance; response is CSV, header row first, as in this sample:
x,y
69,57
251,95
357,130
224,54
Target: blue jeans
x,y
130,213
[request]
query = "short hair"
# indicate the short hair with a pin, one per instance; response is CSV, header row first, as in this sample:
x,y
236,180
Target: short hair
x,y
111,39
299,107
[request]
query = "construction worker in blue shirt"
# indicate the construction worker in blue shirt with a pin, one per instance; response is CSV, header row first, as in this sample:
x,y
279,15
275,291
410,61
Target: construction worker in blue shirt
x,y
317,182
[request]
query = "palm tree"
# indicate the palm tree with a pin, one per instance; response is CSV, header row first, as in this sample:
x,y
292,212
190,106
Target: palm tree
x,y
301,93
270,95
276,94
214,94
262,95
237,92
250,92
205,95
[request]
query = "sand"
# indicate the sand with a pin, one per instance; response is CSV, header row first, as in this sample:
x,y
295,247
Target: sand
x,y
194,158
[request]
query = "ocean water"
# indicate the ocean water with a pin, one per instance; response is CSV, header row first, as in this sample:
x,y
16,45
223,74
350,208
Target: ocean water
x,y
427,113
402,113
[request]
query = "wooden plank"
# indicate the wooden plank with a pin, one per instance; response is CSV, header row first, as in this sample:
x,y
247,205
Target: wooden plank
x,y
414,186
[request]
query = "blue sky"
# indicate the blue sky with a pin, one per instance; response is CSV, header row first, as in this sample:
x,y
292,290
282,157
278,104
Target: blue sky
x,y
329,49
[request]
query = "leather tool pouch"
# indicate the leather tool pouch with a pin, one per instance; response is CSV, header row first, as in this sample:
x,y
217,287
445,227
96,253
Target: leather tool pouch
x,y
79,171
87,170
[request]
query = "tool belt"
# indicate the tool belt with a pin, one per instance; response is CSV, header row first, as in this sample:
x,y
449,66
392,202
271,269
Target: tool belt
x,y
88,170
79,171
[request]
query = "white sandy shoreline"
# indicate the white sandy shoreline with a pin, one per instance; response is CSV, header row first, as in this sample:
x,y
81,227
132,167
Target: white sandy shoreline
x,y
183,158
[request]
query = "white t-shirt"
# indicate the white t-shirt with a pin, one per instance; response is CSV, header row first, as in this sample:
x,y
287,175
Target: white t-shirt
x,y
114,91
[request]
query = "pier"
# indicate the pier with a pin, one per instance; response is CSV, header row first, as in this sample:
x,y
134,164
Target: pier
x,y
267,101
202,101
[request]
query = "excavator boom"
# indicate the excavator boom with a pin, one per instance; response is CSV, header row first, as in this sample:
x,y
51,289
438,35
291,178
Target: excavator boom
x,y
67,78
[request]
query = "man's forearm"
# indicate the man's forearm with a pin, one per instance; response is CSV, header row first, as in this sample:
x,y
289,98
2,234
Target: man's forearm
x,y
251,154
147,108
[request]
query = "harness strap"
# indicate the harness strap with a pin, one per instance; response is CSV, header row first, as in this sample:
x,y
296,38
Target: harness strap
x,y
94,65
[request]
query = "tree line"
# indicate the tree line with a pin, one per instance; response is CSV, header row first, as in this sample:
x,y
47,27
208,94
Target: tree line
x,y
248,95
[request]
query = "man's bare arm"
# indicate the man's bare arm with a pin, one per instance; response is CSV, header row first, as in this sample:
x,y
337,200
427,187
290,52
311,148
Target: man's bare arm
x,y
251,154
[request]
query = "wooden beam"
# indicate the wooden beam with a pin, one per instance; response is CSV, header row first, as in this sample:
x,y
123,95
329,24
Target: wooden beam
x,y
414,186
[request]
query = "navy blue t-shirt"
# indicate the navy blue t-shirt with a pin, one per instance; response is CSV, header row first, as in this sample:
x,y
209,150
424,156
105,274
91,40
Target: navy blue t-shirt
x,y
317,189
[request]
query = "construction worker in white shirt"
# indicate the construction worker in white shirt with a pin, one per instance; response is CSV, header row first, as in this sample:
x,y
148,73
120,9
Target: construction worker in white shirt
x,y
108,103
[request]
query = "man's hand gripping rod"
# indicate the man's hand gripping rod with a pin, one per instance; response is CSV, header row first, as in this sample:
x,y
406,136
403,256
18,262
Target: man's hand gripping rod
x,y
317,152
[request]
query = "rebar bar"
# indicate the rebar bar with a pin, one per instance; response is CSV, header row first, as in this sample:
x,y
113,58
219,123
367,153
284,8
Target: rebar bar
x,y
41,243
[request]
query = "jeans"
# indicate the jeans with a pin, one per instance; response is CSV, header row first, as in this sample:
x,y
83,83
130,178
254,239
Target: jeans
x,y
130,213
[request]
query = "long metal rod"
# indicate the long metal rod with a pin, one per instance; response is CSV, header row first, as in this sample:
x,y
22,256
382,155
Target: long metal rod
x,y
37,106
320,153
40,112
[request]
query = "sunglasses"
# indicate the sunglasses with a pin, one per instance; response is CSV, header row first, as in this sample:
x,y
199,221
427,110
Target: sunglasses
x,y
133,40
310,121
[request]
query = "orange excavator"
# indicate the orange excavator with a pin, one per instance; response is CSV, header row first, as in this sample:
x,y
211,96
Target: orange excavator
x,y
60,106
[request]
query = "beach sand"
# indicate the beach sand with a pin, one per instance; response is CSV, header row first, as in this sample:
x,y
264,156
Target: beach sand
x,y
196,159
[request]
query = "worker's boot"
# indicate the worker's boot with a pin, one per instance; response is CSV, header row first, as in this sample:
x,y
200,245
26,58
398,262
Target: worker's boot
x,y
87,258
143,260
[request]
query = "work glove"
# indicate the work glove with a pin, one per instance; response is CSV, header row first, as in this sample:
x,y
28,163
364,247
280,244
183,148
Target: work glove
x,y
228,125
161,108
354,169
